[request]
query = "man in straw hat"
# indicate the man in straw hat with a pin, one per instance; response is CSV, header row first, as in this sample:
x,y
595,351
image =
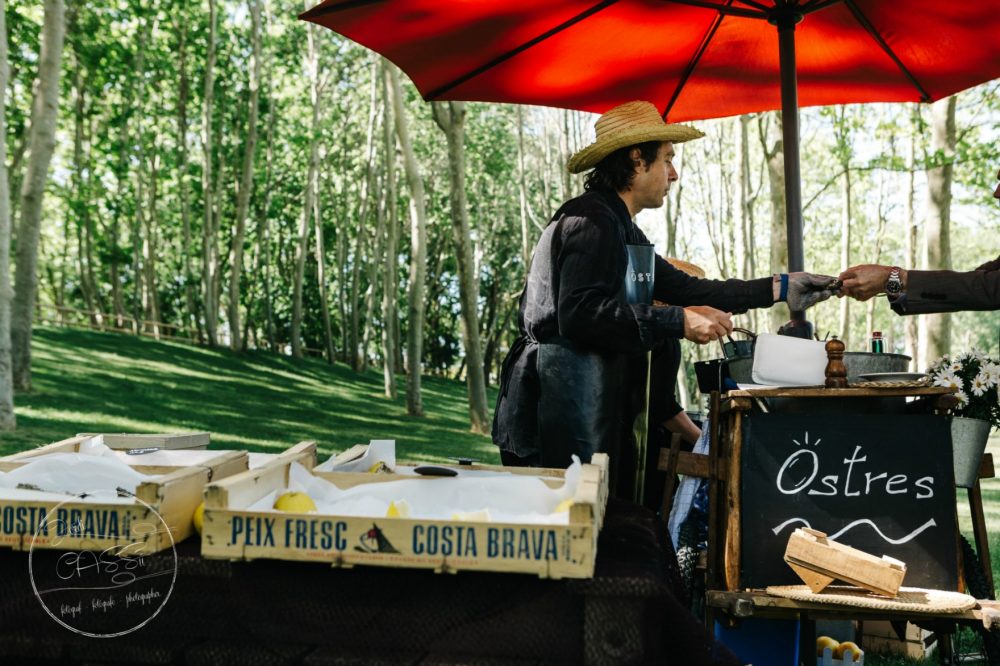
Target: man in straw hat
x,y
571,382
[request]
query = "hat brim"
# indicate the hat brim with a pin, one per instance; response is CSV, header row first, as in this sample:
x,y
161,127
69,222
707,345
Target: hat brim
x,y
597,151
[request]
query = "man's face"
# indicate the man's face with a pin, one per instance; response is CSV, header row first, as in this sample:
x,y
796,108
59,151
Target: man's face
x,y
652,181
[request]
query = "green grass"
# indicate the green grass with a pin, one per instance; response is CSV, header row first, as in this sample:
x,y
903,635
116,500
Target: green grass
x,y
86,381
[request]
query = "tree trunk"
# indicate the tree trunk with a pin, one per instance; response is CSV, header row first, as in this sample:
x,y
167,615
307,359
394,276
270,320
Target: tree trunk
x,y
418,254
7,419
367,187
389,274
246,184
263,264
44,113
152,301
522,189
910,236
779,240
937,248
845,256
210,247
324,297
450,117
191,316
312,71
374,264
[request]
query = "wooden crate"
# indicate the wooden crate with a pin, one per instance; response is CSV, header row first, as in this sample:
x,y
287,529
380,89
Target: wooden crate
x,y
130,440
555,551
97,526
916,643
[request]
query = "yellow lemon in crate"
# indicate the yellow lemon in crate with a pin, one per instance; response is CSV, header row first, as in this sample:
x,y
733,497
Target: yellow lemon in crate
x,y
824,642
199,517
295,502
563,506
844,647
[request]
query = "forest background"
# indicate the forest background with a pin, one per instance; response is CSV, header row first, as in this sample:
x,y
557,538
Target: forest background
x,y
221,172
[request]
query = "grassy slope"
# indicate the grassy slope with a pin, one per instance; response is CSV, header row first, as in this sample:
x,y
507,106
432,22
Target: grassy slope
x,y
94,382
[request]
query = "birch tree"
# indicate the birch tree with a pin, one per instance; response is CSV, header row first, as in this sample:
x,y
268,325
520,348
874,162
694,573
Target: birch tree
x,y
415,305
936,334
44,113
7,419
246,182
450,117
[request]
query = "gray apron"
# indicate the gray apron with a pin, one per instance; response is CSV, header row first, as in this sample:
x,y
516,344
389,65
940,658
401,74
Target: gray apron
x,y
584,399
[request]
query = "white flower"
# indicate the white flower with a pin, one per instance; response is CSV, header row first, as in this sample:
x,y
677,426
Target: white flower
x,y
963,399
947,379
979,385
956,365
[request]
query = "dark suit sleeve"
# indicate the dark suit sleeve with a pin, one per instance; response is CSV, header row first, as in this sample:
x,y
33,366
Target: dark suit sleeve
x,y
678,288
951,291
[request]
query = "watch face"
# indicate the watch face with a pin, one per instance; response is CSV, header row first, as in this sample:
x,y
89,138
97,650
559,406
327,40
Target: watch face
x,y
894,286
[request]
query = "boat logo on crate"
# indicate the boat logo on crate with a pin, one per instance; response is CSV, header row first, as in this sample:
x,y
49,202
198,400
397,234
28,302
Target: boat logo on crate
x,y
374,541
90,590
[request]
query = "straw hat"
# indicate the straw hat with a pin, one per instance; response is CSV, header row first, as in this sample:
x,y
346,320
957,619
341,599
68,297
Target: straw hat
x,y
687,267
627,125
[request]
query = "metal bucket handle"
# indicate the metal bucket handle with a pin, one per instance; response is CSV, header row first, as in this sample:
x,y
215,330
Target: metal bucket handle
x,y
750,334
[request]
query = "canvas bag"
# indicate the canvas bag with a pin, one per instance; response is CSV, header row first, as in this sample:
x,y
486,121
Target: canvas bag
x,y
780,360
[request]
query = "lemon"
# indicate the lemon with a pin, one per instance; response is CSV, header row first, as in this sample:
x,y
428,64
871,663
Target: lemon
x,y
400,509
199,517
823,642
294,502
844,647
379,468
563,506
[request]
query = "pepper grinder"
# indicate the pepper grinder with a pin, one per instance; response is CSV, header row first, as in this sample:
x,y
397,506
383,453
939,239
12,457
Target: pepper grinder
x,y
836,371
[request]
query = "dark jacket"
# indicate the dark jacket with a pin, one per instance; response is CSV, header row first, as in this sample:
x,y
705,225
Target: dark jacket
x,y
574,316
951,291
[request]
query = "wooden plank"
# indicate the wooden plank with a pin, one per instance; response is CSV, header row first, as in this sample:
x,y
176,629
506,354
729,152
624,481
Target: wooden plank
x,y
980,533
715,533
850,392
69,445
810,549
755,603
735,404
129,440
668,464
986,470
733,536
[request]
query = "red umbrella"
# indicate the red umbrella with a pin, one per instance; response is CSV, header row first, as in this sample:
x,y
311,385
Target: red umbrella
x,y
693,58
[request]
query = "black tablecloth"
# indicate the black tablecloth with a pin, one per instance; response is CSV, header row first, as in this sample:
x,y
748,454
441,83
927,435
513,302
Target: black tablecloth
x,y
270,612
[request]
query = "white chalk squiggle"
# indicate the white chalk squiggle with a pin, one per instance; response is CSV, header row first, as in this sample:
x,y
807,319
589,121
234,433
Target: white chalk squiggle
x,y
861,521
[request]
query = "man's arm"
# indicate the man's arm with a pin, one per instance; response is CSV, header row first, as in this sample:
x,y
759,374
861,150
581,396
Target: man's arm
x,y
929,291
678,288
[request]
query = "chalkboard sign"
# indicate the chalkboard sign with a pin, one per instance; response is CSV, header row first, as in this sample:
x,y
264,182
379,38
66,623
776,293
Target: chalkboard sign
x,y
881,483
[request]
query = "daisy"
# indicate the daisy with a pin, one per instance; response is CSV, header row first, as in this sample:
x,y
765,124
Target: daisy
x,y
947,379
963,399
979,385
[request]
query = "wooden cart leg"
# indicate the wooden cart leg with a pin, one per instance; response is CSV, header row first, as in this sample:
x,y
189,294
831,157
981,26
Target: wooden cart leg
x,y
981,535
716,537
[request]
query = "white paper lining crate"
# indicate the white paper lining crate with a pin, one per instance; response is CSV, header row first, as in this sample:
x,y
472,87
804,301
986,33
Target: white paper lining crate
x,y
565,551
178,440
174,494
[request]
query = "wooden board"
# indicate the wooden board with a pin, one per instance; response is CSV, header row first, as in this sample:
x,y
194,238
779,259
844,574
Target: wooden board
x,y
820,392
881,483
818,561
99,526
556,551
131,440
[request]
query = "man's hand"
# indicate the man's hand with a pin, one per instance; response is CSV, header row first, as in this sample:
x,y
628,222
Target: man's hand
x,y
867,280
704,324
807,289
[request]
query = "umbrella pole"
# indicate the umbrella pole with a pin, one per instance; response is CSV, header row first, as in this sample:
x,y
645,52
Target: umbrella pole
x,y
786,19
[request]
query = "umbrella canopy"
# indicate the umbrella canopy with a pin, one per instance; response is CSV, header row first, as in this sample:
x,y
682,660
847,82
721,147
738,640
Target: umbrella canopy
x,y
693,59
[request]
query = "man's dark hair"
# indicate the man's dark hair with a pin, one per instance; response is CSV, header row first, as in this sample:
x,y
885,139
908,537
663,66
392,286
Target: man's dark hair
x,y
616,171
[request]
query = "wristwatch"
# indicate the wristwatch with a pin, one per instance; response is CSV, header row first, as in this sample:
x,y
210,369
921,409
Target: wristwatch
x,y
893,286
